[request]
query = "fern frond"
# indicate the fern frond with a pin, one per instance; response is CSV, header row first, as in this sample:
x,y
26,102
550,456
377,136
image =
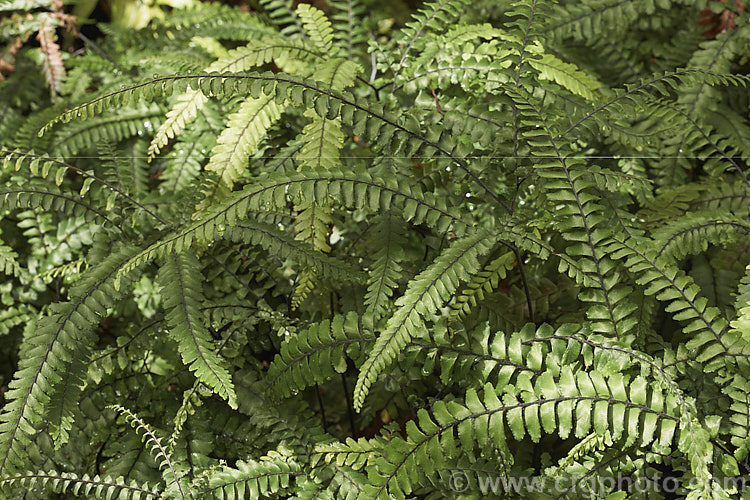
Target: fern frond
x,y
565,74
181,282
349,34
351,453
8,263
245,129
424,295
317,26
581,221
483,282
705,325
184,162
741,323
577,403
654,87
62,335
54,68
347,187
283,15
133,122
125,168
435,16
14,316
69,483
693,233
311,224
736,388
372,120
184,110
305,284
253,479
155,446
316,354
280,244
581,21
322,140
51,198
385,270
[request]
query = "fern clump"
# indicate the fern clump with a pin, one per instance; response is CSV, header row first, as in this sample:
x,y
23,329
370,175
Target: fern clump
x,y
309,251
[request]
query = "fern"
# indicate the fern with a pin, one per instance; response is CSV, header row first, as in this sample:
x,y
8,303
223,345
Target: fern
x,y
317,26
329,346
242,135
323,250
181,298
426,293
60,337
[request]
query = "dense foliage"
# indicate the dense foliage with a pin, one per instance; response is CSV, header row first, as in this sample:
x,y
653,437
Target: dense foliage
x,y
313,252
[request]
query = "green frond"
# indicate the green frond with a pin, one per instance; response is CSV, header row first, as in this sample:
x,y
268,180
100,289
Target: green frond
x,y
183,164
581,221
283,15
741,323
125,168
322,139
650,89
485,281
434,17
155,447
295,425
740,414
191,401
188,105
126,174
581,21
573,403
349,34
372,120
284,246
424,295
69,483
311,224
62,335
184,110
245,129
281,51
317,26
11,317
314,355
181,283
136,121
705,325
348,188
329,482
252,479
565,74
50,198
8,263
693,233
385,270
349,453
306,281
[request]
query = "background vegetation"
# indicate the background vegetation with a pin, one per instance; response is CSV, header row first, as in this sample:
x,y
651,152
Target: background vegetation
x,y
358,249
